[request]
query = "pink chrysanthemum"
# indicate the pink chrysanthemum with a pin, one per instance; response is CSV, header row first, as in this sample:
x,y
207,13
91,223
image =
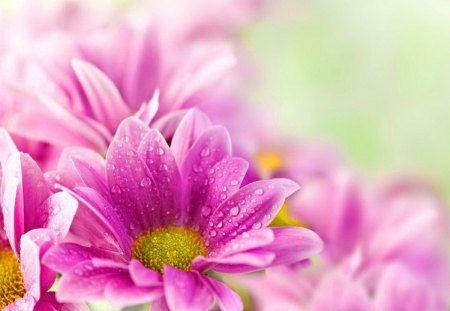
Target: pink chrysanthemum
x,y
158,218
32,220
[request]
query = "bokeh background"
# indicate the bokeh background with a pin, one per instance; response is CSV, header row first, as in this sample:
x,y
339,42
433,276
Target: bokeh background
x,y
371,76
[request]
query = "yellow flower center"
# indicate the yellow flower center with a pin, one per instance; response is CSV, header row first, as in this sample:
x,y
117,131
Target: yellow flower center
x,y
269,161
12,286
173,246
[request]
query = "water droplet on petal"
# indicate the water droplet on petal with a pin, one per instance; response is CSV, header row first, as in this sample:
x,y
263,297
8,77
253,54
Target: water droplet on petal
x,y
205,152
234,182
234,211
257,225
146,181
160,151
206,211
259,191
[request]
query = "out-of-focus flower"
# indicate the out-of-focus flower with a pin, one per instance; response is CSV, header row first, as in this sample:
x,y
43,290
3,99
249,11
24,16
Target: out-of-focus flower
x,y
390,257
155,219
122,64
32,220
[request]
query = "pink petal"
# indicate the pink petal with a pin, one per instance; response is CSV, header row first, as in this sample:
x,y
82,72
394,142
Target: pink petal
x,y
142,276
61,209
208,190
63,257
30,266
191,127
105,101
149,109
186,290
122,292
293,244
165,178
252,207
337,292
87,281
227,299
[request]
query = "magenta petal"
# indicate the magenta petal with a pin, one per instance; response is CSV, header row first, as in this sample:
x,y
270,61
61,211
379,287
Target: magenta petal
x,y
290,187
106,104
191,127
160,305
208,190
63,257
252,207
61,209
186,290
91,177
48,302
293,244
87,281
122,292
24,192
227,299
142,276
139,163
67,175
149,109
164,179
237,263
44,239
104,213
30,266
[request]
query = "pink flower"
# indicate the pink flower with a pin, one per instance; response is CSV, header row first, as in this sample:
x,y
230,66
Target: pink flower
x,y
154,219
383,253
80,83
32,220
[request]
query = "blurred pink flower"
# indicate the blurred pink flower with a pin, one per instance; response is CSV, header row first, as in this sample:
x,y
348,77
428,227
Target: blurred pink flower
x,y
80,81
383,250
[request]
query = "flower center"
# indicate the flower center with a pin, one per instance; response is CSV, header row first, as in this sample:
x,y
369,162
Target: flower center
x,y
173,246
12,286
269,161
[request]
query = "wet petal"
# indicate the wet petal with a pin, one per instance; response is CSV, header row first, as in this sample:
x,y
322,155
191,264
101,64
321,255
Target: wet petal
x,y
142,276
186,291
252,207
191,127
164,179
227,299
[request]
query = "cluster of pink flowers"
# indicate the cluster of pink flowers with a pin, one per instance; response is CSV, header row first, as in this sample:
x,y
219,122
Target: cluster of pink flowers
x,y
119,182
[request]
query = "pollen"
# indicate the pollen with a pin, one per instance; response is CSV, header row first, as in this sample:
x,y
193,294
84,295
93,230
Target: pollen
x,y
12,286
172,246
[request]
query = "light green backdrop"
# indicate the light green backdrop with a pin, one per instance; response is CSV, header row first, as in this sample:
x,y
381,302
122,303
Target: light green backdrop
x,y
373,76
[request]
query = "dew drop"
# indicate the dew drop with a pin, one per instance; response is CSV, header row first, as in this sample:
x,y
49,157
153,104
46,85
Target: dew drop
x,y
234,211
259,191
205,152
257,225
234,182
206,211
146,181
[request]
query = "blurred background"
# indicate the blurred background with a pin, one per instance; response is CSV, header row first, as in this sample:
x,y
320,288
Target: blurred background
x,y
371,76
